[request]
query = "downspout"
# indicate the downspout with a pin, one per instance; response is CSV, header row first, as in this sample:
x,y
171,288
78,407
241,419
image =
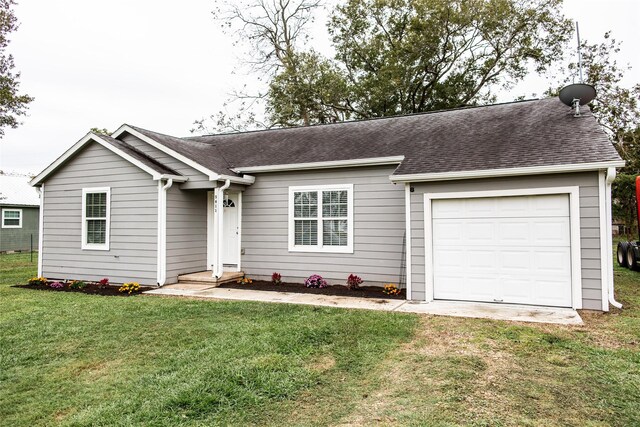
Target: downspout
x,y
611,175
219,238
162,230
40,228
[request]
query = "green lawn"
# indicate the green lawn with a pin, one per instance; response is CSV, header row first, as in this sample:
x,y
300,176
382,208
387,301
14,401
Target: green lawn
x,y
72,359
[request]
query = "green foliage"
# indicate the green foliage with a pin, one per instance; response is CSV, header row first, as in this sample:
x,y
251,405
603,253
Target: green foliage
x,y
623,192
392,56
12,104
101,131
408,56
77,284
310,90
204,362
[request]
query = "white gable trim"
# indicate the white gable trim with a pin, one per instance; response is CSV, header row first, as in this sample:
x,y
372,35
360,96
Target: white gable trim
x,y
370,161
213,176
91,137
490,173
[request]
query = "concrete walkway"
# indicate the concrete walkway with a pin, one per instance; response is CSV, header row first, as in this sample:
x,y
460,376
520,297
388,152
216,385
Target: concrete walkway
x,y
520,313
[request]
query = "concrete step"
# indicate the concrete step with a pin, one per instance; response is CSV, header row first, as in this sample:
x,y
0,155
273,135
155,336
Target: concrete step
x,y
205,278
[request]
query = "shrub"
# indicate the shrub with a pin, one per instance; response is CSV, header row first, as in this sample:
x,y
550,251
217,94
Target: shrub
x,y
103,283
276,278
354,282
38,281
77,284
56,285
315,281
129,288
391,289
245,281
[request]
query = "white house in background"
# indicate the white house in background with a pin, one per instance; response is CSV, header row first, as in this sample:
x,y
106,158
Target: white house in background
x,y
508,203
19,213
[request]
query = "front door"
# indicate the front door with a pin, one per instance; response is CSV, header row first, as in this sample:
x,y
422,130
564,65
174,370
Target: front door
x,y
231,240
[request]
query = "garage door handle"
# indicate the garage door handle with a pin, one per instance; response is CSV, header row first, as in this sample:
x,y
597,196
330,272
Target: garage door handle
x,y
497,300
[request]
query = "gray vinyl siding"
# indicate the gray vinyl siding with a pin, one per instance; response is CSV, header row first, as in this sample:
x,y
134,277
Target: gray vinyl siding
x,y
186,232
21,239
589,223
195,177
134,207
378,227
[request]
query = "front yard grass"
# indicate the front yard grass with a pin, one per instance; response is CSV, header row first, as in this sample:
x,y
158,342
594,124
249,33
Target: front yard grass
x,y
74,359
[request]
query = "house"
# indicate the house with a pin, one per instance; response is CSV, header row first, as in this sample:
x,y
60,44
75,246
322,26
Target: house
x,y
508,203
19,210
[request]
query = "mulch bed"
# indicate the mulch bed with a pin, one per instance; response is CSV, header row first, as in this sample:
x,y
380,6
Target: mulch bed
x,y
336,290
92,289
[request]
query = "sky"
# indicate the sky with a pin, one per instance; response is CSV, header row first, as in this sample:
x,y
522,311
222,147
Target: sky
x,y
160,66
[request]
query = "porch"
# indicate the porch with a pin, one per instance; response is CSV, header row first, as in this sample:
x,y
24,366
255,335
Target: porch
x,y
204,280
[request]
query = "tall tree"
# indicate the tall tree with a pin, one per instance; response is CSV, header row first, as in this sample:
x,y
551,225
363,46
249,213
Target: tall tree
x,y
275,32
617,109
408,56
12,104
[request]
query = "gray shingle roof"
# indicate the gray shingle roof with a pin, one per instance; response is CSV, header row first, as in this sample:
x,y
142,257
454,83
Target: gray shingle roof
x,y
139,155
519,134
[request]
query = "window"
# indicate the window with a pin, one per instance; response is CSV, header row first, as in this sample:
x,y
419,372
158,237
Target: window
x,y
321,218
12,218
95,218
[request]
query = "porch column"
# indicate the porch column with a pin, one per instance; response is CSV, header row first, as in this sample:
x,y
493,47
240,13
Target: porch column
x,y
218,216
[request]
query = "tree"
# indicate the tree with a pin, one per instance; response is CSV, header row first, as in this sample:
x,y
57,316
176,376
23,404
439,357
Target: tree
x,y
100,131
12,104
312,91
617,109
273,31
408,56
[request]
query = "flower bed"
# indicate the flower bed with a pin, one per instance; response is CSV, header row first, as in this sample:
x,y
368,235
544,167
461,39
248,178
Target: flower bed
x,y
85,287
337,290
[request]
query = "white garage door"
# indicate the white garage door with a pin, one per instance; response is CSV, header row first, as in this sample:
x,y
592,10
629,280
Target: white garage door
x,y
503,249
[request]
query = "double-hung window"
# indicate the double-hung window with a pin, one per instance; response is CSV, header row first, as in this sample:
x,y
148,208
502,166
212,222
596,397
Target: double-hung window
x,y
95,218
11,218
321,218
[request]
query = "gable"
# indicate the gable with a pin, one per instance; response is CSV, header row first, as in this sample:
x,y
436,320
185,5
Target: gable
x,y
127,153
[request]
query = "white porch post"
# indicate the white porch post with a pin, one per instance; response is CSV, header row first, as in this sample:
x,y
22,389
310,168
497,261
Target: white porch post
x,y
218,241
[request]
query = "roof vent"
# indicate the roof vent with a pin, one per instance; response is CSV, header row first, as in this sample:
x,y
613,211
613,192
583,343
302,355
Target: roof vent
x,y
577,94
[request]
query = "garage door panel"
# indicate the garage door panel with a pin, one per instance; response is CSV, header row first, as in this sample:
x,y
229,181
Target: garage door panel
x,y
552,292
513,231
475,288
515,261
446,231
551,232
515,290
448,260
556,262
481,261
478,231
510,249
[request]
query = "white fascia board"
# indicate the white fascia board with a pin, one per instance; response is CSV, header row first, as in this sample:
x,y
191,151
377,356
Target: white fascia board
x,y
80,144
491,173
213,176
372,161
245,179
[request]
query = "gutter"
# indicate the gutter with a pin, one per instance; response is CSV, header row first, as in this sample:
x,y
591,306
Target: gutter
x,y
219,222
494,173
162,231
611,175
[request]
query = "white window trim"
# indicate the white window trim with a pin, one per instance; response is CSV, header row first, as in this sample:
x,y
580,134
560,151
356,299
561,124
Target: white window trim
x,y
94,246
19,219
320,248
574,221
